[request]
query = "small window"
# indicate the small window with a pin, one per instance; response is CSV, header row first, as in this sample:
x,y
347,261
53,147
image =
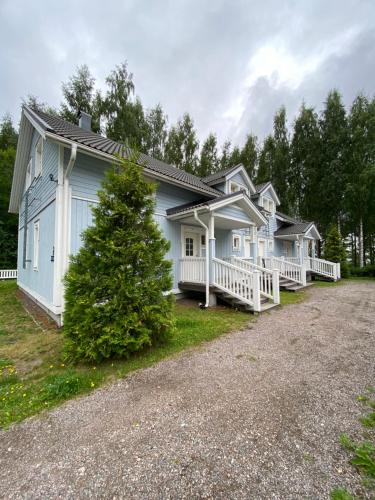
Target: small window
x,y
236,242
189,247
38,158
203,240
36,246
234,187
28,175
270,246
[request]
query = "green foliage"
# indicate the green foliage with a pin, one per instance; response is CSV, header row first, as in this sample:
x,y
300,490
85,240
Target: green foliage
x,y
209,162
80,95
334,250
366,271
114,298
66,385
156,136
249,155
340,494
8,222
182,145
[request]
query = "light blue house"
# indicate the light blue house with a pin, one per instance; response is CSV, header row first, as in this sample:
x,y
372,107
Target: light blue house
x,y
227,237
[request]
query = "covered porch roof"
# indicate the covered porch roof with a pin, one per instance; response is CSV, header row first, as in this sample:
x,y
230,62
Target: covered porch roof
x,y
231,211
298,230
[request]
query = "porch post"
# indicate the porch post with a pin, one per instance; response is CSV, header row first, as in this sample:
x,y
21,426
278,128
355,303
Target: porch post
x,y
313,249
211,254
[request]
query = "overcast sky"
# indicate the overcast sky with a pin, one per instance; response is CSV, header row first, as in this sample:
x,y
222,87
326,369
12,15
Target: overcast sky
x,y
230,64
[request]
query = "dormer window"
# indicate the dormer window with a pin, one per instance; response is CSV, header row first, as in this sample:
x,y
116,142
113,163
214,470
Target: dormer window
x,y
38,158
235,186
268,205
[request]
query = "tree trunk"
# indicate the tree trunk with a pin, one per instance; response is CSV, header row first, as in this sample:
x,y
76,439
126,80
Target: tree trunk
x,y
361,252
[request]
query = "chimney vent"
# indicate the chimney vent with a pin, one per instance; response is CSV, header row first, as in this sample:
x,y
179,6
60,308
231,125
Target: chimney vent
x,y
84,120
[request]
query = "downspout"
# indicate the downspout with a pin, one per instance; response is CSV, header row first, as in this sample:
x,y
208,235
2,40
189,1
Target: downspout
x,y
207,258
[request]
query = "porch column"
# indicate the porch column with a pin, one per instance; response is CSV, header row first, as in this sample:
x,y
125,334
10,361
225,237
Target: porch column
x,y
211,254
313,249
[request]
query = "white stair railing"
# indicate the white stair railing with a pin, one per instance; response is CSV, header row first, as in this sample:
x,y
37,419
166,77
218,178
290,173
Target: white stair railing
x,y
323,267
237,282
269,279
289,270
193,269
8,274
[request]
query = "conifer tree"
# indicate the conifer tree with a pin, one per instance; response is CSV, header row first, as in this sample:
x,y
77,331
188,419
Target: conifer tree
x,y
209,162
115,300
334,249
249,155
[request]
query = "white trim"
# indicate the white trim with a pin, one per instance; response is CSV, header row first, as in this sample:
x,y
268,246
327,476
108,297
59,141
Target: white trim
x,y
241,187
34,123
191,229
57,268
235,219
38,158
274,195
242,169
236,237
36,244
39,298
89,200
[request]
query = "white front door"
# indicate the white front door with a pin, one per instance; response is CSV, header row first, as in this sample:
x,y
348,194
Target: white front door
x,y
247,248
191,244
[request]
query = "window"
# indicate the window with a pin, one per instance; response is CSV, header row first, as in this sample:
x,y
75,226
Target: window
x,y
189,247
203,240
36,246
38,158
28,175
234,187
236,242
270,245
268,205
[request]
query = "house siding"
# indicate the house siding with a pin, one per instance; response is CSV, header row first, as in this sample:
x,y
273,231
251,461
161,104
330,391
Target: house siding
x,y
40,281
234,212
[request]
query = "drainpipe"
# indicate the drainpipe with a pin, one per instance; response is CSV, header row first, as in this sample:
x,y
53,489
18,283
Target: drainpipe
x,y
207,259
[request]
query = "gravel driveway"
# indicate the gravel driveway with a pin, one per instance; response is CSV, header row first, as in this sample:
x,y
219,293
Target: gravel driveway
x,y
253,414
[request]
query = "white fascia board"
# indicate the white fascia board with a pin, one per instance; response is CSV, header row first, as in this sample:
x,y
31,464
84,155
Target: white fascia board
x,y
313,229
41,131
273,192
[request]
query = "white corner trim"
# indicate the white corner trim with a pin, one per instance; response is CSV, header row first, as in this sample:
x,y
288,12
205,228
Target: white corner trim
x,y
39,298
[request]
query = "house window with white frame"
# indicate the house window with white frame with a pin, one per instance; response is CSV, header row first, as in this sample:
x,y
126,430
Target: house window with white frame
x,y
270,246
38,158
234,187
236,242
36,246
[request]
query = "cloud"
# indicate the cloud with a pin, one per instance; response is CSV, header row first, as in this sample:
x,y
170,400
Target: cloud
x,y
229,64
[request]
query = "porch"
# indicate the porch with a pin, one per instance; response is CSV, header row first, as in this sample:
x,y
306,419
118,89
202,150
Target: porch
x,y
213,236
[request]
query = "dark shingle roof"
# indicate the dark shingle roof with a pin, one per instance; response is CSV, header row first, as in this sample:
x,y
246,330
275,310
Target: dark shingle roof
x,y
201,203
288,218
219,175
299,228
260,187
97,142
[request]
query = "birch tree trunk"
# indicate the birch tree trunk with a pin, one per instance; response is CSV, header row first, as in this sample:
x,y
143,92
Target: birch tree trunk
x,y
361,243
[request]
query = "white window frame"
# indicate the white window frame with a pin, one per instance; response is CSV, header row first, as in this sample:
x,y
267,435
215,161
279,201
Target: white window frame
x,y
239,187
36,234
270,245
235,247
28,174
38,158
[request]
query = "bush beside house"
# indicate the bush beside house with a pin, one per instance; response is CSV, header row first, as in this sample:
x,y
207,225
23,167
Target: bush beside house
x,y
115,286
334,250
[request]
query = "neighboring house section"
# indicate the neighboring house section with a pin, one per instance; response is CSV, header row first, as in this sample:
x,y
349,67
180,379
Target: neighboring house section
x,y
223,229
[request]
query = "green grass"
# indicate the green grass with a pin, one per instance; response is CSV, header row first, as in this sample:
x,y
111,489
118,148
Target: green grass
x,y
287,298
362,453
33,376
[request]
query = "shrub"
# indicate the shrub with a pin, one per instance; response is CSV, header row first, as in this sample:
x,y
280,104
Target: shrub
x,y
115,286
334,250
366,271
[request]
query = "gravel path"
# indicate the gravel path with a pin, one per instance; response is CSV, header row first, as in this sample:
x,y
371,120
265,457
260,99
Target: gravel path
x,y
253,414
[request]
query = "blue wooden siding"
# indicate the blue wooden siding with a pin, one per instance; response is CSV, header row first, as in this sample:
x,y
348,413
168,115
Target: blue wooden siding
x,y
240,178
87,175
41,281
81,219
235,212
44,190
169,196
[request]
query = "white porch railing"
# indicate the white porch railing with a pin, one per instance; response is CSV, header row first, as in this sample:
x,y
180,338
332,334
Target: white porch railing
x,y
294,260
193,269
269,279
288,270
244,285
323,267
7,274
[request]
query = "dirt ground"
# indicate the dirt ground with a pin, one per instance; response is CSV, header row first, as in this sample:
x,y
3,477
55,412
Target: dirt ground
x,y
253,414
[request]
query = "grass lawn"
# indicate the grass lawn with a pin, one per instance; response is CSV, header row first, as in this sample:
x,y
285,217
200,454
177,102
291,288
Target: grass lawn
x,y
33,376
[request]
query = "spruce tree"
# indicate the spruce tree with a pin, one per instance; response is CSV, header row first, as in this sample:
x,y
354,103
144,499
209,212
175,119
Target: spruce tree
x,y
334,249
115,286
209,162
249,155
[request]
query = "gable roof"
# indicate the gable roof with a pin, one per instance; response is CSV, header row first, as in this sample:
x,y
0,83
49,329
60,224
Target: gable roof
x,y
56,127
226,199
221,174
298,228
259,187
